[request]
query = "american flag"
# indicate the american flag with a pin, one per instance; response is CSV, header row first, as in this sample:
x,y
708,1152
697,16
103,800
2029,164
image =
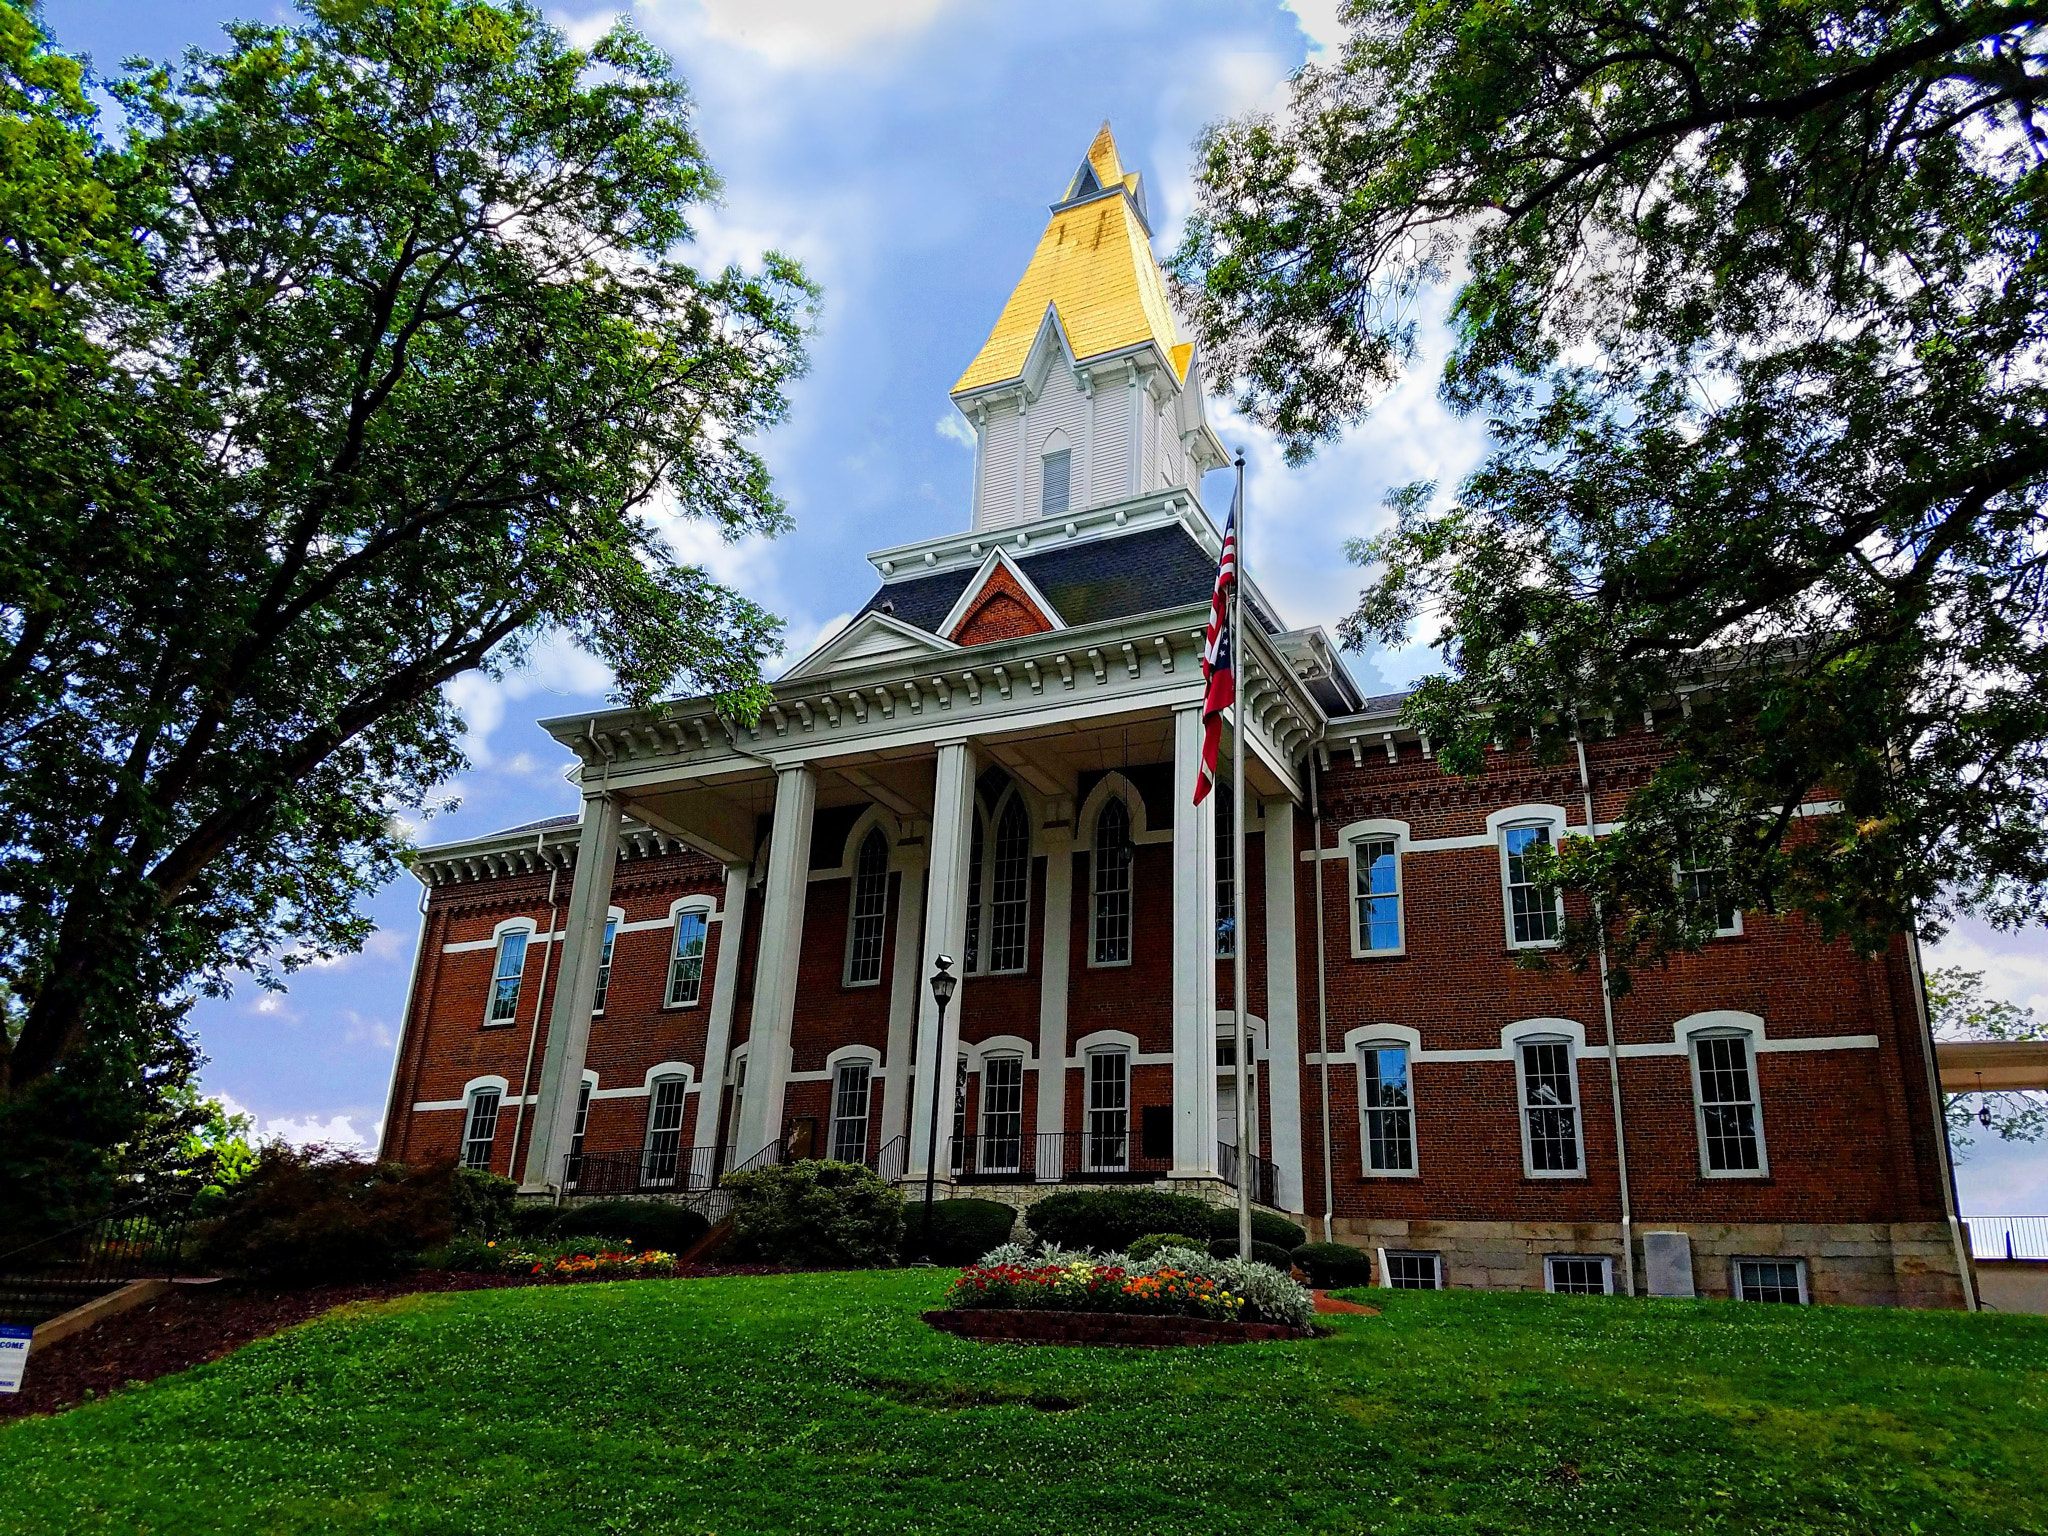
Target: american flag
x,y
1219,670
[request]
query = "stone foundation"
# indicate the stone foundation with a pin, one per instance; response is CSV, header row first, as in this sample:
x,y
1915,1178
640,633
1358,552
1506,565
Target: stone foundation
x,y
1898,1264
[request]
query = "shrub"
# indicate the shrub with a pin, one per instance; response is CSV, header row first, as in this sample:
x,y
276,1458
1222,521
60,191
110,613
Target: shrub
x,y
821,1213
962,1229
481,1203
1153,1243
1111,1219
647,1223
1266,1228
321,1214
1333,1266
533,1219
1262,1253
1176,1281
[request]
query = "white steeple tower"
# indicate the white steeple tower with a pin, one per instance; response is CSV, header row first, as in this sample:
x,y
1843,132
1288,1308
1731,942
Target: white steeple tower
x,y
1084,393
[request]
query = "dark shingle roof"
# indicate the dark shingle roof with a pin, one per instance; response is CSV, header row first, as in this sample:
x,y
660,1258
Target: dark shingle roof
x,y
1089,583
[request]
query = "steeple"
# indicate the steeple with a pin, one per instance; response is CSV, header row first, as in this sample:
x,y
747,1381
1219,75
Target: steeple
x,y
1094,268
1084,393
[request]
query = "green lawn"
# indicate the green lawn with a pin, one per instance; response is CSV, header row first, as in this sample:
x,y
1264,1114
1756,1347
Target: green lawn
x,y
821,1403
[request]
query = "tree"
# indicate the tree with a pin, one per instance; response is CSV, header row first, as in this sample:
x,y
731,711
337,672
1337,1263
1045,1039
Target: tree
x,y
1959,1010
395,368
1751,297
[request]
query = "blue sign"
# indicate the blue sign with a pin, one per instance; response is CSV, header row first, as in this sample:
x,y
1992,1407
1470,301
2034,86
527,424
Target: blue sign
x,y
14,1342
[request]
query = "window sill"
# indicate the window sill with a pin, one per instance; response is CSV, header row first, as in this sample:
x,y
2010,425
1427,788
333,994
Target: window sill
x,y
1543,944
501,1024
859,986
1373,1175
1530,1177
1109,965
681,1007
1743,1176
1380,954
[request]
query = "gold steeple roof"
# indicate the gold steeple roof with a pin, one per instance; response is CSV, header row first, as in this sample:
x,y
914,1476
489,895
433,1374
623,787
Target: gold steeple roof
x,y
1094,266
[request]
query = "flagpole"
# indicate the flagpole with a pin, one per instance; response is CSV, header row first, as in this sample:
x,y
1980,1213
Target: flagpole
x,y
1246,1111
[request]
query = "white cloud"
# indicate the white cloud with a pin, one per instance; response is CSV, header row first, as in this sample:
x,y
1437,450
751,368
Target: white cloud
x,y
337,1131
2015,965
953,428
1320,21
810,32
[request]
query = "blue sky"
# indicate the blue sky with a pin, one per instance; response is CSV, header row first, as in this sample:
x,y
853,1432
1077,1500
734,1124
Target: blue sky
x,y
904,151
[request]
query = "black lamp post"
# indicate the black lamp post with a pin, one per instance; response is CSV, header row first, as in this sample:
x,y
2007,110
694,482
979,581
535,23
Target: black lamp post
x,y
943,983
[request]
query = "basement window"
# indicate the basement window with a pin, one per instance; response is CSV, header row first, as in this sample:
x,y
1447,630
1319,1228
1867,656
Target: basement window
x,y
1778,1280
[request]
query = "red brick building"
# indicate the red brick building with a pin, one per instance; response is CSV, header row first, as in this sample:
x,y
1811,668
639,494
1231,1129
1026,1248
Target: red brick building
x,y
727,949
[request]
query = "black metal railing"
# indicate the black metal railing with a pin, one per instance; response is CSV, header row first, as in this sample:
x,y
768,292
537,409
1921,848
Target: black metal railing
x,y
892,1159
1264,1173
677,1171
1108,1155
51,1275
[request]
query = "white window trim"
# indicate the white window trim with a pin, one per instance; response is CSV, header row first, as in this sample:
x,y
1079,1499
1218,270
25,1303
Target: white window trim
x,y
1798,1262
706,908
1133,804
471,1092
613,915
841,1059
867,826
1369,1039
668,1073
989,820
530,928
1378,831
1000,1045
1574,1043
1606,1269
1498,825
1678,874
1131,1132
1386,1275
1728,1027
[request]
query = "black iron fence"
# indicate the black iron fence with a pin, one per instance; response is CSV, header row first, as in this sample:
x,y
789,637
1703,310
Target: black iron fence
x,y
1032,1157
1263,1172
48,1277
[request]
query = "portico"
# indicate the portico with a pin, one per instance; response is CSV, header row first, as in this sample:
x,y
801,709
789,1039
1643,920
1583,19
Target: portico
x,y
919,729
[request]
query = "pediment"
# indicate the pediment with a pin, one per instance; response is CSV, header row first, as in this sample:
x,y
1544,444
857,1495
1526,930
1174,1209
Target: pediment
x,y
874,638
999,583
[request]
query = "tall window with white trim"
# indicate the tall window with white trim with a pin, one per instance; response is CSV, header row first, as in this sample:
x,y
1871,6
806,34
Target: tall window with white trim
x,y
1002,1113
867,913
505,977
1533,916
1550,1112
1388,1111
1010,886
481,1130
604,966
977,857
1376,894
1110,878
572,1172
1724,1088
850,1098
686,961
1109,1111
664,1131
1703,888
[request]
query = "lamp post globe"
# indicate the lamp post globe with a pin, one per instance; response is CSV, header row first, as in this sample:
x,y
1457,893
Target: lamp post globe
x,y
943,983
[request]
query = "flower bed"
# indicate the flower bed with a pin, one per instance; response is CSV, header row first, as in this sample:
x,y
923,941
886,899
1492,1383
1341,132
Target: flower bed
x,y
1176,1283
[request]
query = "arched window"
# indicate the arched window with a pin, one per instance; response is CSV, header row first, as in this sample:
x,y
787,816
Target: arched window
x,y
998,879
867,913
686,960
664,1146
480,1131
1110,882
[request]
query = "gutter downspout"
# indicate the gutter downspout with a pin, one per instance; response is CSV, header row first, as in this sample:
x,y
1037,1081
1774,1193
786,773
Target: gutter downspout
x,y
1322,992
1628,1241
540,994
1952,1206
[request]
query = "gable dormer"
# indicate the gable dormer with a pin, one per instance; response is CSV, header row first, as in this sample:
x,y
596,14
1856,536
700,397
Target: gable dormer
x,y
874,638
1000,602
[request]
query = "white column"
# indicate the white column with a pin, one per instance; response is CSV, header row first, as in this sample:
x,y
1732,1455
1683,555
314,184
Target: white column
x,y
903,992
1283,1024
590,898
1135,481
1052,982
782,936
732,933
1194,957
945,933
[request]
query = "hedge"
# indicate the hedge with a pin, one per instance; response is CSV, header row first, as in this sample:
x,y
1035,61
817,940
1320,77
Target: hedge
x,y
1333,1266
962,1229
823,1213
1262,1253
644,1223
1108,1220
1266,1228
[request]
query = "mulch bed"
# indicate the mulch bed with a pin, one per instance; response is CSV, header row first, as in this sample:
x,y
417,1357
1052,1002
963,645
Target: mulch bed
x,y
192,1324
1132,1330
1327,1304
